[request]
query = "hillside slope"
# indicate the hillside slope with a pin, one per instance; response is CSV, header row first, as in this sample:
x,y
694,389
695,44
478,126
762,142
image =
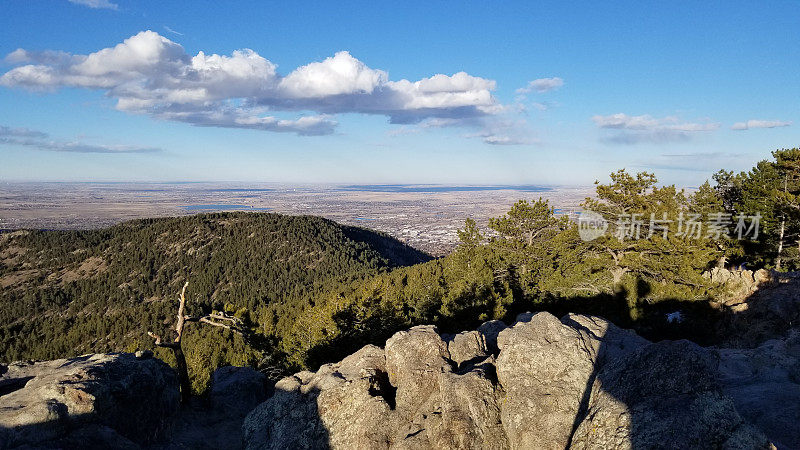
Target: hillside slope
x,y
66,293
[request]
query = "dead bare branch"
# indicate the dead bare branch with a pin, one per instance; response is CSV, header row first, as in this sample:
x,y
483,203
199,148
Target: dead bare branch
x,y
181,315
217,319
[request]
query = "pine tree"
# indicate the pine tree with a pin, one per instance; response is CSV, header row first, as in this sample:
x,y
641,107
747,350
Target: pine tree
x,y
471,236
787,198
526,222
642,241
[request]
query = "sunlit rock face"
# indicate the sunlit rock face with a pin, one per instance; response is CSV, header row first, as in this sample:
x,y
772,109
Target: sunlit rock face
x,y
545,383
92,401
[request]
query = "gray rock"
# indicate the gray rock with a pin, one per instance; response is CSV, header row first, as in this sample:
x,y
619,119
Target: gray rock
x,y
344,404
415,359
467,346
577,382
470,411
121,397
546,368
237,390
662,394
764,384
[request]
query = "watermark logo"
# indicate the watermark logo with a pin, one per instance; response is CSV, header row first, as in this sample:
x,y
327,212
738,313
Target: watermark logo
x,y
591,225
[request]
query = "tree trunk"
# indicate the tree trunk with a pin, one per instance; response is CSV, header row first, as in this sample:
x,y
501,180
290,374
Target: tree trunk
x,y
780,244
183,374
215,319
779,258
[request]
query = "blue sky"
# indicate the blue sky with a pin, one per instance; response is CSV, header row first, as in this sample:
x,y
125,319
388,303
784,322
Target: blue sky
x,y
427,92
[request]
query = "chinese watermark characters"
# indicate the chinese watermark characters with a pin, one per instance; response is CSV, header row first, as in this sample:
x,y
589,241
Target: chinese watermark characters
x,y
715,226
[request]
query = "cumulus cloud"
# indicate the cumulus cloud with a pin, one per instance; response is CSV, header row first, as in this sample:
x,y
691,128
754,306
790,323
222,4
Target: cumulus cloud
x,y
49,57
150,74
625,129
339,75
754,123
39,140
541,85
96,4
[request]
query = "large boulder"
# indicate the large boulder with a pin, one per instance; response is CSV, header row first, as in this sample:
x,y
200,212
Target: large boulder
x,y
547,367
346,404
764,384
739,283
576,382
662,395
100,400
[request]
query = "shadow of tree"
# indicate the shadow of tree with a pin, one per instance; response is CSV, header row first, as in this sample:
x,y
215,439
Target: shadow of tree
x,y
670,391
278,422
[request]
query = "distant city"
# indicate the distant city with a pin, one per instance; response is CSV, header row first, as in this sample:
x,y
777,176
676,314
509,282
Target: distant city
x,y
424,216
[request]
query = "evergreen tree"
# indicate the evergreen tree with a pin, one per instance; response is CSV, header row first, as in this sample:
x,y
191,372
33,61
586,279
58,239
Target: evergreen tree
x,y
787,198
471,236
643,244
526,222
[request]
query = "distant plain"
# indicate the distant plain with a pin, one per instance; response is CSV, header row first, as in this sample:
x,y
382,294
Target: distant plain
x,y
424,216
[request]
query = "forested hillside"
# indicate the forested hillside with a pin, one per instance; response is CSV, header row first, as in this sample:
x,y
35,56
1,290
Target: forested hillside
x,y
66,293
650,262
310,291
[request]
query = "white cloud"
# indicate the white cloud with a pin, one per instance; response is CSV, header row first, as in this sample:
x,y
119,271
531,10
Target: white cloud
x,y
150,74
543,106
459,82
234,118
541,85
494,139
36,139
754,123
146,53
340,74
625,129
624,121
22,56
101,4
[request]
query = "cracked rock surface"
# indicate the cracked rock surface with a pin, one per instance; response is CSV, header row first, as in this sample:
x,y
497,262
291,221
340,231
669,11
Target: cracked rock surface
x,y
544,383
93,401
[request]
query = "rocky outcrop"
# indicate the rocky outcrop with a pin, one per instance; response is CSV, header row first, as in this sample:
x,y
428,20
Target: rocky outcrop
x,y
764,384
768,313
545,383
92,401
740,284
